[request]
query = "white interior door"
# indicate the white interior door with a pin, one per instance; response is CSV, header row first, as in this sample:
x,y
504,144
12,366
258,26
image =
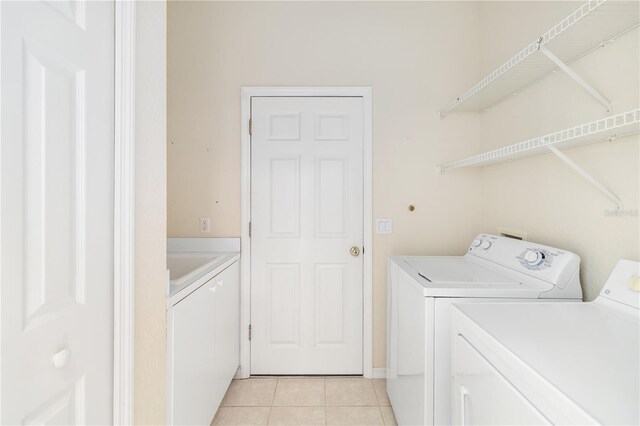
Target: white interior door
x,y
56,225
306,215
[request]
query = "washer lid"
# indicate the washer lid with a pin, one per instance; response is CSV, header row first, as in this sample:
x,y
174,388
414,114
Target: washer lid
x,y
454,269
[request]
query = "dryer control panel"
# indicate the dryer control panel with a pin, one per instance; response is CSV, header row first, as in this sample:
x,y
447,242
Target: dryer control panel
x,y
623,284
536,258
547,263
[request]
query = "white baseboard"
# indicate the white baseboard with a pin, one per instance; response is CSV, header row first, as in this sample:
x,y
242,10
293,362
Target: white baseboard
x,y
379,373
241,374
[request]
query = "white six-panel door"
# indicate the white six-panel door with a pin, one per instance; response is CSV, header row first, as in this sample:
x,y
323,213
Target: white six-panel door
x,y
56,195
306,216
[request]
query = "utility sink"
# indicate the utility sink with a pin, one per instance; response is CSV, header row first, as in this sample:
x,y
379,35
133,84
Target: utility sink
x,y
185,267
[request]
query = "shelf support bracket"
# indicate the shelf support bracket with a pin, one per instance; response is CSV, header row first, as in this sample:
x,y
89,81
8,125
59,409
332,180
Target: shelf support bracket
x,y
586,175
571,73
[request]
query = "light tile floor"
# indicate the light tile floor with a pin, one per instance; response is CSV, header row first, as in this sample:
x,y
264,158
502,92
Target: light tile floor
x,y
306,401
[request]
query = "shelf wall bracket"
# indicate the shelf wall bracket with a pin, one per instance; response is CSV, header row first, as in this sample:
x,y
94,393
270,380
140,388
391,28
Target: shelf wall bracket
x,y
571,73
586,175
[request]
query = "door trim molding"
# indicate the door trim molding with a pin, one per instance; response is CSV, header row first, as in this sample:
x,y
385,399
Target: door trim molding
x,y
124,213
246,93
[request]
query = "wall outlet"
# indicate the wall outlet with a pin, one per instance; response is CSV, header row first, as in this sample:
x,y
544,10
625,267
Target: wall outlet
x,y
205,224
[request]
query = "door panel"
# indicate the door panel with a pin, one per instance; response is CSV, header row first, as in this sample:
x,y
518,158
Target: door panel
x,y
57,141
331,197
284,192
331,292
283,306
307,207
53,166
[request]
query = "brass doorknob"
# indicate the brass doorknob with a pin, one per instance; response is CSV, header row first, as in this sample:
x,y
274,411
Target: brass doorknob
x,y
355,251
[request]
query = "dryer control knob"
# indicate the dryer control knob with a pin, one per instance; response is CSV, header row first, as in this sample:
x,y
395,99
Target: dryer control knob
x,y
533,257
486,244
476,243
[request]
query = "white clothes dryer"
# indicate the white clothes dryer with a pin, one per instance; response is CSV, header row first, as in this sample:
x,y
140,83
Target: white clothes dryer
x,y
551,363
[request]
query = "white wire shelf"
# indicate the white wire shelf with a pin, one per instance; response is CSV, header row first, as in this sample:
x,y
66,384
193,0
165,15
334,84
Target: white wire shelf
x,y
605,129
594,24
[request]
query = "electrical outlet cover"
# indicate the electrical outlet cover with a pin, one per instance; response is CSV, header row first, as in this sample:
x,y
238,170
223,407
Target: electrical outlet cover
x,y
205,224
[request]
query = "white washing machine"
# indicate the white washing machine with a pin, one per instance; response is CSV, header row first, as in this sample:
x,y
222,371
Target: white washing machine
x,y
551,363
421,291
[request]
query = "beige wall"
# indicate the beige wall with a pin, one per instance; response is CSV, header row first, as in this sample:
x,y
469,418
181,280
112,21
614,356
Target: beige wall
x,y
414,55
150,216
541,195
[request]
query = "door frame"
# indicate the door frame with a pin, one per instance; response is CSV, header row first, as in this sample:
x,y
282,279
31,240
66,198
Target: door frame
x,y
246,93
124,212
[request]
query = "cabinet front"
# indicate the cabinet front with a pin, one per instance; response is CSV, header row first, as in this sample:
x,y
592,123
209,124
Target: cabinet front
x,y
193,354
204,348
226,330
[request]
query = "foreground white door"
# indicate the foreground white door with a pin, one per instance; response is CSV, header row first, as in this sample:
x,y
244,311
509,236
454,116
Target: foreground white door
x,y
56,229
306,216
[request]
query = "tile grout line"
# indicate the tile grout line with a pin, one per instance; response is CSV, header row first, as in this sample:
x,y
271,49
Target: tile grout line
x,y
375,393
269,416
324,383
273,397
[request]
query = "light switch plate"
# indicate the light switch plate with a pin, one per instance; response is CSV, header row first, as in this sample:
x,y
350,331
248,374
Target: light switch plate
x,y
384,226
